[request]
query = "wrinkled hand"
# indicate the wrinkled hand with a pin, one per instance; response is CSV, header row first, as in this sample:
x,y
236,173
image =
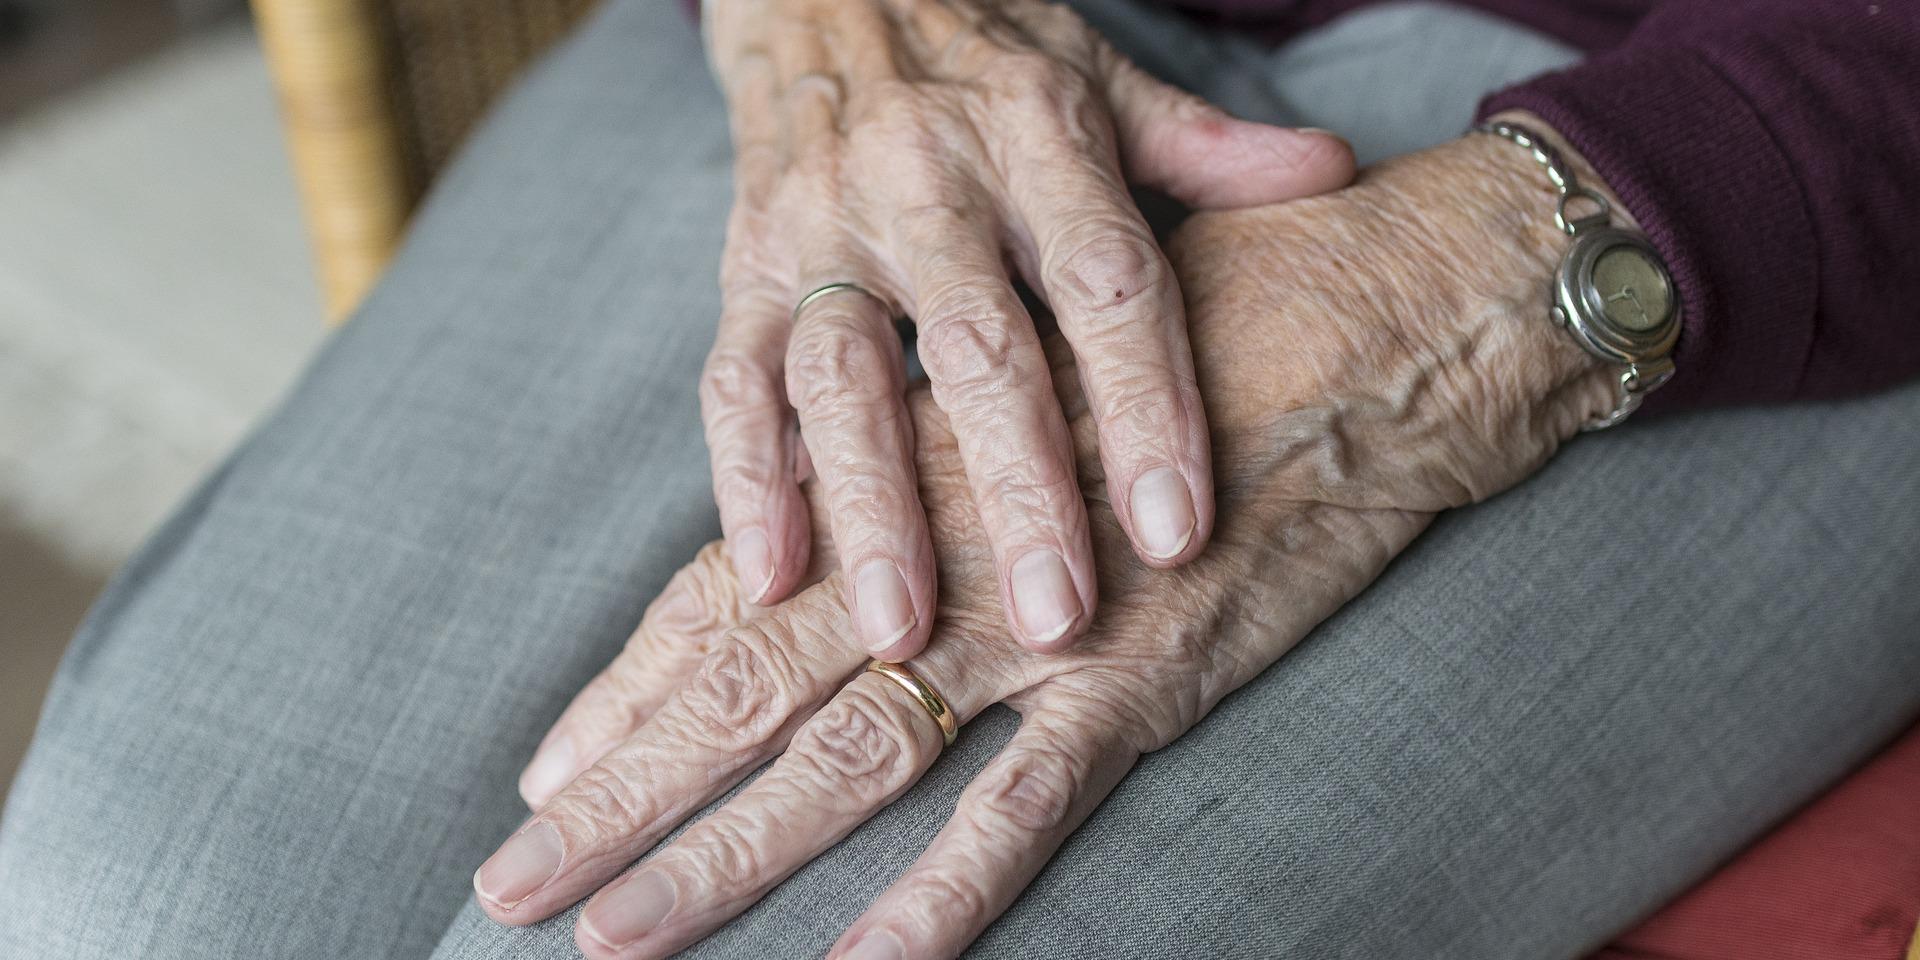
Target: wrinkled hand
x,y
917,148
1368,358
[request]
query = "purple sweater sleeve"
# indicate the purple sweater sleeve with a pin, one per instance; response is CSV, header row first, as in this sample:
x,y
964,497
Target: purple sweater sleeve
x,y
1771,149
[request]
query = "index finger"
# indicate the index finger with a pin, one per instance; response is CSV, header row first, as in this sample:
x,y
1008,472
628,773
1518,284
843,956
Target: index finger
x,y
752,442
740,707
699,605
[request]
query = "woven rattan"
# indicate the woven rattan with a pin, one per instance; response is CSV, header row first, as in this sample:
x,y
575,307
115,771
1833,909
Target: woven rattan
x,y
377,95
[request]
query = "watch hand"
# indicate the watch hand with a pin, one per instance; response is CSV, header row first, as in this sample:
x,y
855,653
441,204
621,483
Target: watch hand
x,y
1627,293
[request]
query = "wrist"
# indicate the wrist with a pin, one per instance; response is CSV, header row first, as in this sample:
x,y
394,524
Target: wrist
x,y
1554,230
1485,208
1390,345
1584,171
1612,293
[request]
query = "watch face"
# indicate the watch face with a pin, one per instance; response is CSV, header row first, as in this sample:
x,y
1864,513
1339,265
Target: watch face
x,y
1633,288
1614,294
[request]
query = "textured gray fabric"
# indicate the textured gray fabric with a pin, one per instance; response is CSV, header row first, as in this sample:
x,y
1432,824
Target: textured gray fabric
x,y
292,727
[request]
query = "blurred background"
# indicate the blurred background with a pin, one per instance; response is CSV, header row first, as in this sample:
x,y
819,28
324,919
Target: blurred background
x,y
157,293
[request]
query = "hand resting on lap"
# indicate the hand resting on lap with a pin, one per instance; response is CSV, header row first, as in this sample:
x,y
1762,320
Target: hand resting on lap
x,y
911,156
1367,358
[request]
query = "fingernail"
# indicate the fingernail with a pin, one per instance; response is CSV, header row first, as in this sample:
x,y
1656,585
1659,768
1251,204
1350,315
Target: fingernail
x,y
886,610
1162,512
521,866
552,766
1044,600
878,945
752,562
629,911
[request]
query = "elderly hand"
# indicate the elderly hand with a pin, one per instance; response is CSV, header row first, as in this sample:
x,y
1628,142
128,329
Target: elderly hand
x,y
1368,358
916,149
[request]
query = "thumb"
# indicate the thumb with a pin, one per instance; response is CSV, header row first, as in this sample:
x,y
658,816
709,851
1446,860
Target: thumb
x,y
1177,143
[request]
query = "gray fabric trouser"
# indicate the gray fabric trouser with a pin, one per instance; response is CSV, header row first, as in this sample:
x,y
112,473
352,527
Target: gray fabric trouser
x,y
291,728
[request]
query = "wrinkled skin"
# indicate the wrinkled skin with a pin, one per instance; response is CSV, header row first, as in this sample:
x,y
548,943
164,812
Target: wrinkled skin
x,y
925,150
1368,358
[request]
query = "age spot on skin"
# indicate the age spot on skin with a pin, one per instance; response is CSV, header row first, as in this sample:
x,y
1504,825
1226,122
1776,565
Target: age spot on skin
x,y
1108,264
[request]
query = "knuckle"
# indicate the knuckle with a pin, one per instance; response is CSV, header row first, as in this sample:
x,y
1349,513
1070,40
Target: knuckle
x,y
740,483
1314,153
1034,791
1033,72
945,899
826,90
932,223
732,379
743,694
602,803
866,503
1034,491
1057,103
836,363
896,117
854,749
970,345
1106,264
726,856
1138,407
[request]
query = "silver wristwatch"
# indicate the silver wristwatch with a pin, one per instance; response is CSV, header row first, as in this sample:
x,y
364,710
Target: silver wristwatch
x,y
1612,292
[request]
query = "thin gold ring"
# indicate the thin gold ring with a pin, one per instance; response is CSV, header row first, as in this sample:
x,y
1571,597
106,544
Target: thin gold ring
x,y
836,288
923,692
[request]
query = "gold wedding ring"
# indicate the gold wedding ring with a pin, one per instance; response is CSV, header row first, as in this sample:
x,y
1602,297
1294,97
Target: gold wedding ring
x,y
927,697
836,288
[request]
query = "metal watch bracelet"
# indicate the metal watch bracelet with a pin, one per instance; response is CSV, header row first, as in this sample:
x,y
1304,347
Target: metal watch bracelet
x,y
1576,306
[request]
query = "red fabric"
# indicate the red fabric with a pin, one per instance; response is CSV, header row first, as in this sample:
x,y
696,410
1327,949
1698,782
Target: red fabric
x,y
1838,881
